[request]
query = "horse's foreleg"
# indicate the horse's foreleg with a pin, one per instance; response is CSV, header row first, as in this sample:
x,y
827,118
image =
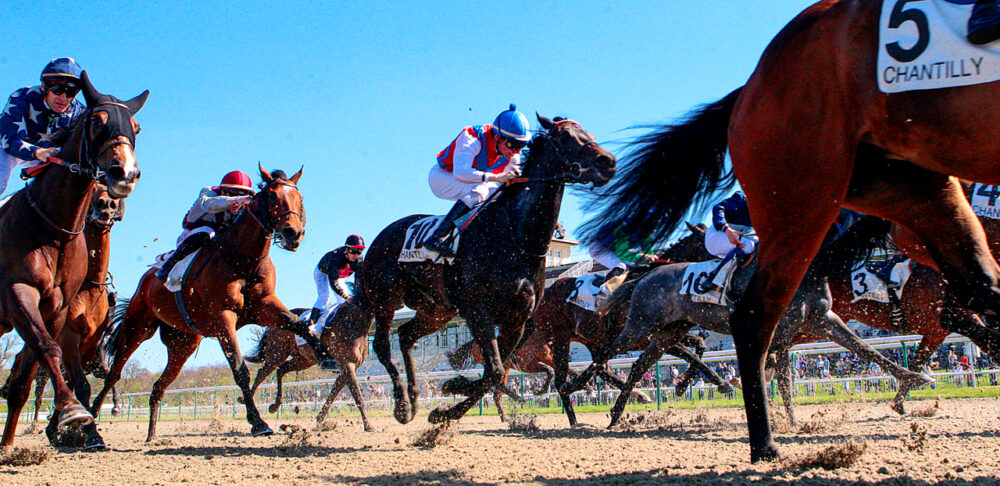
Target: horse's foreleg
x,y
383,350
550,373
482,329
272,360
408,335
78,377
41,379
297,363
350,375
21,375
648,358
929,344
332,396
26,318
230,347
783,375
560,348
696,365
180,346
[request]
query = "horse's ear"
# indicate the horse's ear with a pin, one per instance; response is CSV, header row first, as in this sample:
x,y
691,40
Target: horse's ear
x,y
692,228
135,104
90,94
264,174
295,178
545,122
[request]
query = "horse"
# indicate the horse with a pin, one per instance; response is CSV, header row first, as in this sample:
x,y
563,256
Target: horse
x,y
88,315
345,334
804,146
561,322
98,368
922,302
496,278
43,259
231,284
660,314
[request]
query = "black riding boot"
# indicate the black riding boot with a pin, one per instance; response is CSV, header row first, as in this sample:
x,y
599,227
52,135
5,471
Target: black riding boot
x,y
984,24
439,240
187,247
708,285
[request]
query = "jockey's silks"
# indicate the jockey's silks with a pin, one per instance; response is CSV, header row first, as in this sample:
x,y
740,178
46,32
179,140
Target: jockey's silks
x,y
487,160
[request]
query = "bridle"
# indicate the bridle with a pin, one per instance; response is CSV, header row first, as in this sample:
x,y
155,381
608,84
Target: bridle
x,y
572,170
267,222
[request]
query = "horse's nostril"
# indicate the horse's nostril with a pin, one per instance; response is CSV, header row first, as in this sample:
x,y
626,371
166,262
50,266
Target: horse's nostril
x,y
116,173
290,233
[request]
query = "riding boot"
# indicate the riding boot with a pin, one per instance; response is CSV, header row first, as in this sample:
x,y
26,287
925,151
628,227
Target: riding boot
x,y
984,24
710,284
187,247
439,241
612,281
896,319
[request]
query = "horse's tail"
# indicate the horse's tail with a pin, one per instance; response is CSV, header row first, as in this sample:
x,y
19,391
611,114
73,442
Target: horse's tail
x,y
842,254
257,354
669,173
115,329
461,357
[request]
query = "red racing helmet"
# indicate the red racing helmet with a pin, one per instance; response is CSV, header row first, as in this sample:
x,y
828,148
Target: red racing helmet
x,y
237,179
355,241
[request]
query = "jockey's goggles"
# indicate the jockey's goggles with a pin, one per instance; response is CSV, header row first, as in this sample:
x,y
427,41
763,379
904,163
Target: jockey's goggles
x,y
514,145
69,88
354,251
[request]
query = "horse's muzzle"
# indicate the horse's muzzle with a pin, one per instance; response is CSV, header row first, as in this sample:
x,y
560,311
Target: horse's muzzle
x,y
291,237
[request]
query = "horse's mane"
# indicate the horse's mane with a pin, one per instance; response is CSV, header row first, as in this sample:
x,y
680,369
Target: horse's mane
x,y
62,135
655,194
854,247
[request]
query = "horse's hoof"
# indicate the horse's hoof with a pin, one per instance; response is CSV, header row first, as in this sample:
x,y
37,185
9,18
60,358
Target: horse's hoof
x,y
642,397
273,408
369,428
726,388
95,444
75,414
767,453
437,416
241,401
261,430
402,413
115,412
52,435
455,386
898,407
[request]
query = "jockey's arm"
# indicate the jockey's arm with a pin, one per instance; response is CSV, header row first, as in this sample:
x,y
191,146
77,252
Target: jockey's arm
x,y
14,131
466,149
340,287
211,203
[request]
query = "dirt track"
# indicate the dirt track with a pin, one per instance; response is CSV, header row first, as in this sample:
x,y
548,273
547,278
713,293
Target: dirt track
x,y
960,445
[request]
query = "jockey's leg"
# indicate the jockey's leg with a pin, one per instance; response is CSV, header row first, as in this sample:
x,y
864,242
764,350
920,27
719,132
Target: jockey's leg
x,y
185,248
984,24
438,241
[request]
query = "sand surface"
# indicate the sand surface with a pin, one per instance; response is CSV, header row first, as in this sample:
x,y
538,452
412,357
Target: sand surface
x,y
957,444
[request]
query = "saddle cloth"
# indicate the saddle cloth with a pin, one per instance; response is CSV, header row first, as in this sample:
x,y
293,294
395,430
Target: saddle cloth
x,y
586,291
176,277
316,329
4,200
866,285
415,236
696,279
922,45
986,200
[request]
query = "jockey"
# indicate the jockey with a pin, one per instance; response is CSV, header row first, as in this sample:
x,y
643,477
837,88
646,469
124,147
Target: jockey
x,y
34,114
617,252
473,166
212,211
331,272
984,24
728,236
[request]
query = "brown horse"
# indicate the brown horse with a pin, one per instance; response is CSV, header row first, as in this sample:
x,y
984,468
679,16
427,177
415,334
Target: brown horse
x,y
802,147
89,313
345,334
561,322
231,285
922,302
43,259
497,277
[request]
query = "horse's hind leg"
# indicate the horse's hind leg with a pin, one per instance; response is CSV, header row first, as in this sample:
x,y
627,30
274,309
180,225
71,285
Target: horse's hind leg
x,y
297,363
136,327
17,394
652,354
332,395
350,375
560,348
41,379
180,346
929,344
925,203
422,324
383,351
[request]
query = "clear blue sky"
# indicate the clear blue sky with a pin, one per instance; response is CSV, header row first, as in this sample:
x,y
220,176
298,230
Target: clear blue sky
x,y
364,94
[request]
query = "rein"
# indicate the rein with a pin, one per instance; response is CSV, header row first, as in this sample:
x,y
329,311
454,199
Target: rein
x,y
38,210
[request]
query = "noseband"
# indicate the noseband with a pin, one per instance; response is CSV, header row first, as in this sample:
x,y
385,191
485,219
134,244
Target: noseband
x,y
268,223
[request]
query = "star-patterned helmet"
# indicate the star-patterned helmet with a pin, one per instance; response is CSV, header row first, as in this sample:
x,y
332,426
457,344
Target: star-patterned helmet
x,y
62,67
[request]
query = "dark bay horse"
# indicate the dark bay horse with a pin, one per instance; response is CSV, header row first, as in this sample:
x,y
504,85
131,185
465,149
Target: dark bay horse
x,y
43,258
561,322
231,285
497,277
802,147
345,334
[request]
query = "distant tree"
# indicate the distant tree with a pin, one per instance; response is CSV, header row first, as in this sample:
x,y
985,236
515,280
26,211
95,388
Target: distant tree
x,y
8,348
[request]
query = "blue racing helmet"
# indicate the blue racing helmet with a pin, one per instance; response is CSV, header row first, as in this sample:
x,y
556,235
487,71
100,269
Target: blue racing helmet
x,y
513,124
62,67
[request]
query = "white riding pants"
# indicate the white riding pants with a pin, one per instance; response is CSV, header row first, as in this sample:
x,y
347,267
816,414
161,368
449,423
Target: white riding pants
x,y
445,186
